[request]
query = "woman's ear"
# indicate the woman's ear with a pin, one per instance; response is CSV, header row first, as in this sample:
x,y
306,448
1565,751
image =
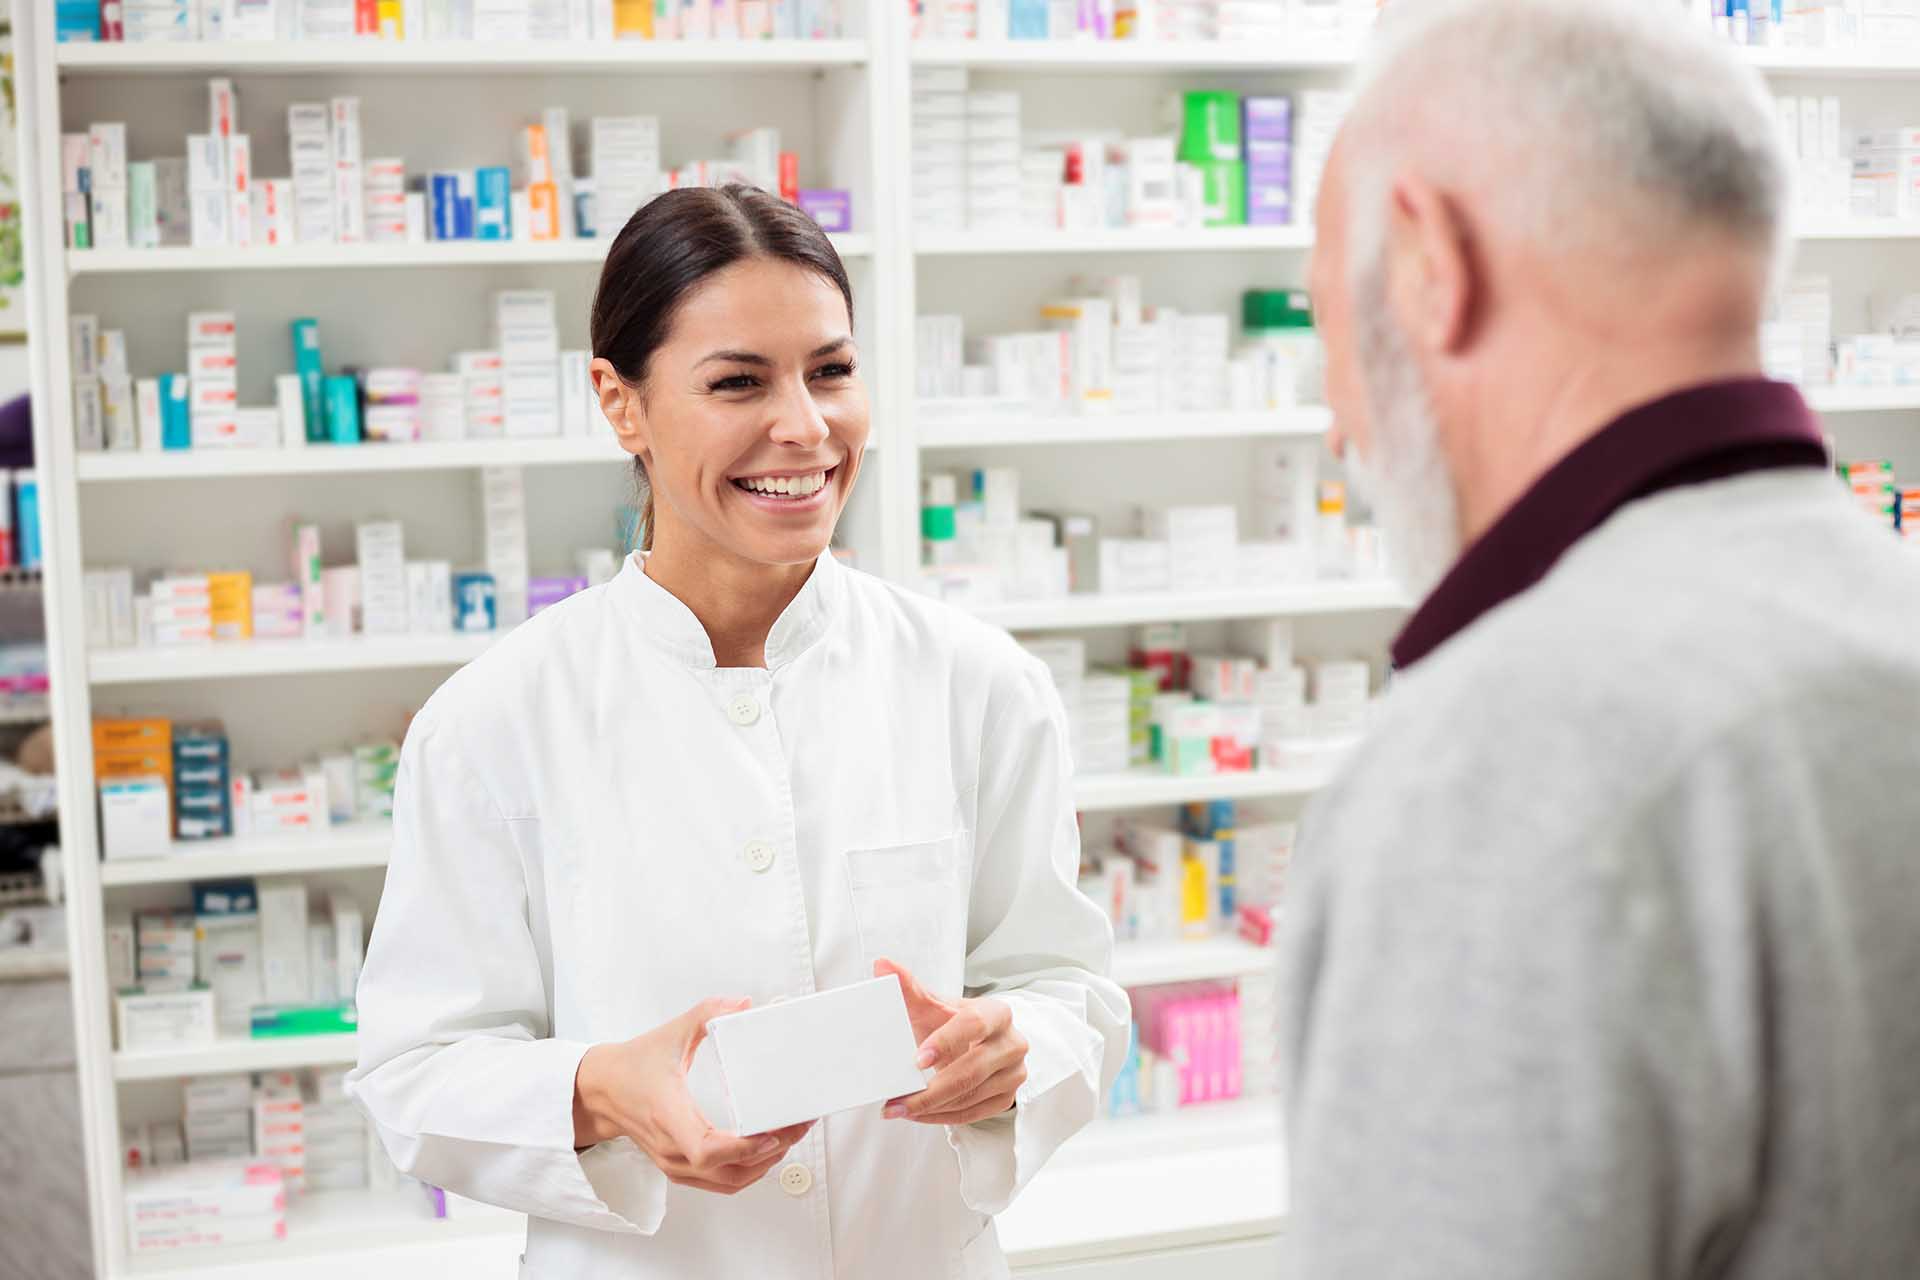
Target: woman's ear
x,y
621,405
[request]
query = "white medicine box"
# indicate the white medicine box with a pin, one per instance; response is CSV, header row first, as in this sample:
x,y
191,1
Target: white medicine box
x,y
134,818
799,1060
163,1020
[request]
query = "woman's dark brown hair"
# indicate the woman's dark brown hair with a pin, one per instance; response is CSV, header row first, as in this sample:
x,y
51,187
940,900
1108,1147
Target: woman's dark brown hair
x,y
667,248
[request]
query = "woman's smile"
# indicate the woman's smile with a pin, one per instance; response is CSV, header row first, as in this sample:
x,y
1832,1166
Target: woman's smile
x,y
788,492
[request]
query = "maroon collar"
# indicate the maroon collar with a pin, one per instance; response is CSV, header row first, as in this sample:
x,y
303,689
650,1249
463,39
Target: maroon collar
x,y
1703,433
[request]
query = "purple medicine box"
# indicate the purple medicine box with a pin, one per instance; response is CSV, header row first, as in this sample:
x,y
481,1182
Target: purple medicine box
x,y
543,593
1269,178
831,208
1266,119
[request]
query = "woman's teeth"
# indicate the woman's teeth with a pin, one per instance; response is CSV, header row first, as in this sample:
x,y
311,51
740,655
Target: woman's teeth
x,y
786,486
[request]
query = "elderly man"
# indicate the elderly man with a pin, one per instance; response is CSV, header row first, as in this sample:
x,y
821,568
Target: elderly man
x,y
1604,959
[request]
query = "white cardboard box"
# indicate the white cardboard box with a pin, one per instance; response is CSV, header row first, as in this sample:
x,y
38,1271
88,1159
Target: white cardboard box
x,y
799,1060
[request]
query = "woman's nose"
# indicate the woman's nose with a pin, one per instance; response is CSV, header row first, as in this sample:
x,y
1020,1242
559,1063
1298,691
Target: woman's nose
x,y
798,420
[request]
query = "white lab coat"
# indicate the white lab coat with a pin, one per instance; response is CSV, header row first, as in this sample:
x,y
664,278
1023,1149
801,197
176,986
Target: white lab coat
x,y
596,828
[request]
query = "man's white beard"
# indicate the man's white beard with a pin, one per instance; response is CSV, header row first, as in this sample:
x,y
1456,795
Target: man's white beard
x,y
1405,481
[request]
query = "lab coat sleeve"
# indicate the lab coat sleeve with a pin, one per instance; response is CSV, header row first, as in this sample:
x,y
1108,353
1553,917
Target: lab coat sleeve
x,y
457,1071
1035,941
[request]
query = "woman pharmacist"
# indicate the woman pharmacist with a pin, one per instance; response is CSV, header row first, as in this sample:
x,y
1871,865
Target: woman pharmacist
x,y
739,771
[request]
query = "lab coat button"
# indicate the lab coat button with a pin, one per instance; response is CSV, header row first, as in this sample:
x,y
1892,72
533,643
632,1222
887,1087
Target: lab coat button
x,y
759,855
744,709
796,1179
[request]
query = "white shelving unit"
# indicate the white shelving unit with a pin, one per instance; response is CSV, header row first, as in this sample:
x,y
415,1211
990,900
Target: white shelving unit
x,y
284,658
976,244
369,257
423,58
281,1053
1083,612
837,105
940,429
1139,788
1204,1180
325,460
342,848
1148,964
1864,399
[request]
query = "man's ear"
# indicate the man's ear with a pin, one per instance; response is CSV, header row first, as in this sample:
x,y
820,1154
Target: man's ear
x,y
1433,279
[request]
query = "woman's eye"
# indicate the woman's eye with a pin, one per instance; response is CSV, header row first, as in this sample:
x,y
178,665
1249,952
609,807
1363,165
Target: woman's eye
x,y
738,382
834,371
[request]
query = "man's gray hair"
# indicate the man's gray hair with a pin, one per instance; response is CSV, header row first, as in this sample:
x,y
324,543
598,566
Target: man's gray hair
x,y
1594,124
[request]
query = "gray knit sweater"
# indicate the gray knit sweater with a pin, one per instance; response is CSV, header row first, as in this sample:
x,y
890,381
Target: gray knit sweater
x,y
1603,959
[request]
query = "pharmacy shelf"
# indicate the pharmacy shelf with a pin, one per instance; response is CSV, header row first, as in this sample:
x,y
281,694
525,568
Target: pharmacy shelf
x,y
937,430
1100,610
283,657
207,464
1871,63
342,848
1862,399
414,57
1146,964
1141,788
1127,56
1201,1127
1856,229
370,256
364,1234
32,712
1228,1155
1122,56
1203,1175
1111,240
277,1053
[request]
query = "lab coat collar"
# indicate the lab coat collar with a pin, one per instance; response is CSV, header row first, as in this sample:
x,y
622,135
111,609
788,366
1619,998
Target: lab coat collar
x,y
670,626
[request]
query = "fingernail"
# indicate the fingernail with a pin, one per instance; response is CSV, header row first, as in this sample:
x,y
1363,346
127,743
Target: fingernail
x,y
769,1145
894,1111
925,1059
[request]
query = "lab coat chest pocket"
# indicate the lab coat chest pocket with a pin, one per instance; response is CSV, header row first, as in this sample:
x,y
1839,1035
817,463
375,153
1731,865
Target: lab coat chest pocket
x,y
910,905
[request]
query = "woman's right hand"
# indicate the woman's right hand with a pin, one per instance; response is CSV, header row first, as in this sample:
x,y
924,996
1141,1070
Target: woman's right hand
x,y
638,1089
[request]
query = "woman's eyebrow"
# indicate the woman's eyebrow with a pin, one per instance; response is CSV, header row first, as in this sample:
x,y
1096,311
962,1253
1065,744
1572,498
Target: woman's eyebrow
x,y
748,357
735,357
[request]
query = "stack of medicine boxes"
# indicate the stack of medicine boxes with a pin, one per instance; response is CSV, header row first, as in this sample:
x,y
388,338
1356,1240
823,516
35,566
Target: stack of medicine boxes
x,y
527,336
279,1127
202,783
165,945
336,1135
995,195
219,1118
1210,143
107,184
213,377
133,759
226,917
940,148
1268,138
375,768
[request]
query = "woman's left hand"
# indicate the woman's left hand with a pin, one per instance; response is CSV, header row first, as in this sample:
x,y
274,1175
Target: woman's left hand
x,y
980,1058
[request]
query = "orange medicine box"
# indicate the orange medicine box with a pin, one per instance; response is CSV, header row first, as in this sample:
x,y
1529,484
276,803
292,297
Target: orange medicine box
x,y
543,210
132,748
133,739
232,604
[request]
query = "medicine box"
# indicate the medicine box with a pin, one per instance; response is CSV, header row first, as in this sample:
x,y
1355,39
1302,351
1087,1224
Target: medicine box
x,y
217,1093
134,817
163,1020
802,1059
